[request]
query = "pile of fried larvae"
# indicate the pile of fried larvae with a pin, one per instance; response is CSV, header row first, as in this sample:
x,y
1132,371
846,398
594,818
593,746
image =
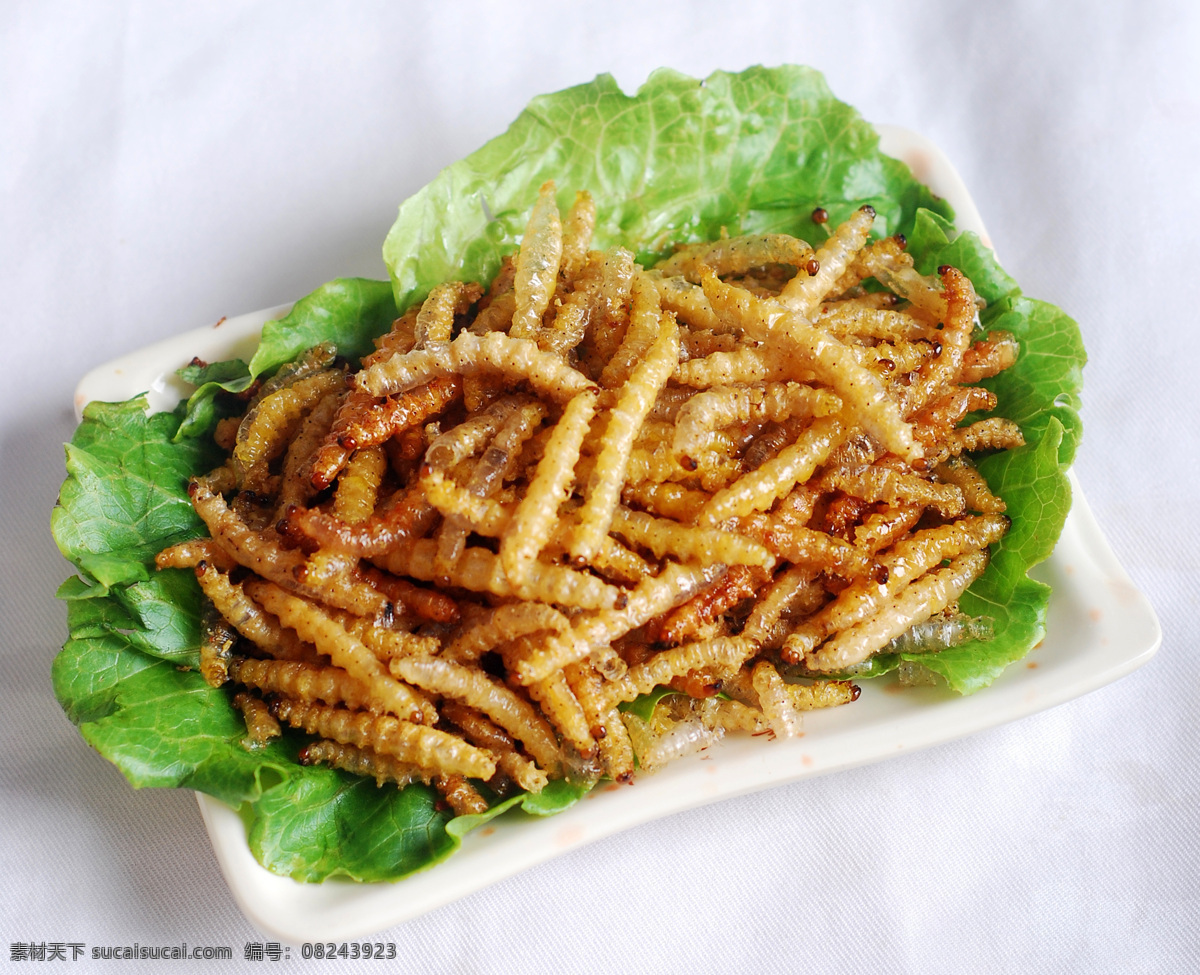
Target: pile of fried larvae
x,y
734,475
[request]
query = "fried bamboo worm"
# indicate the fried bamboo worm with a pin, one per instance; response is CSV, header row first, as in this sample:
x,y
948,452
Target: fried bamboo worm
x,y
722,656
481,571
514,358
607,728
760,489
725,405
636,398
312,623
357,491
486,478
435,321
537,267
733,256
928,595
597,630
577,235
500,625
741,582
664,537
405,515
475,689
563,710
423,746
803,293
310,683
644,316
460,795
905,562
266,428
361,761
250,619
480,731
787,333
945,367
261,725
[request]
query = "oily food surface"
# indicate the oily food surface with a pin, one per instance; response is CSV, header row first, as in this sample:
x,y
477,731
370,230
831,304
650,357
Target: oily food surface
x,y
128,675
734,474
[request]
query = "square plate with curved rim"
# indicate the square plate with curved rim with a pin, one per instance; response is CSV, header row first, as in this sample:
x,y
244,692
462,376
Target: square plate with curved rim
x,y
1100,627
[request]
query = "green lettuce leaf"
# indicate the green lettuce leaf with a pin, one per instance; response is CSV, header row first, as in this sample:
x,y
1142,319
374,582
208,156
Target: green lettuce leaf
x,y
680,160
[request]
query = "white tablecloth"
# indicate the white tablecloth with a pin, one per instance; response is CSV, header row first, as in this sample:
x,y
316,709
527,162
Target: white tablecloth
x,y
163,168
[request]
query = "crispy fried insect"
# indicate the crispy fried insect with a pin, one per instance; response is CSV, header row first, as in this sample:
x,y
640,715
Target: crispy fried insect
x,y
795,590
360,761
189,554
722,655
374,422
803,293
481,571
883,528
217,638
928,595
880,483
806,546
295,482
577,235
461,796
644,317
789,335
775,701
652,597
266,428
563,710
537,264
607,324
667,500
435,320
689,304
261,725
721,406
485,480
299,681
575,309
634,402
860,319
401,337
249,619
385,641
989,357
977,495
480,731
746,364
315,624
994,433
474,688
759,489
428,748
733,256
907,560
500,625
665,537
515,358
405,515
945,367
682,623
358,488
612,740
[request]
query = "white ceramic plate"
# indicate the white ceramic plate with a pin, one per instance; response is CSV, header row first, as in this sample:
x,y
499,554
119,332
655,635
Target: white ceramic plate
x,y
1100,628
